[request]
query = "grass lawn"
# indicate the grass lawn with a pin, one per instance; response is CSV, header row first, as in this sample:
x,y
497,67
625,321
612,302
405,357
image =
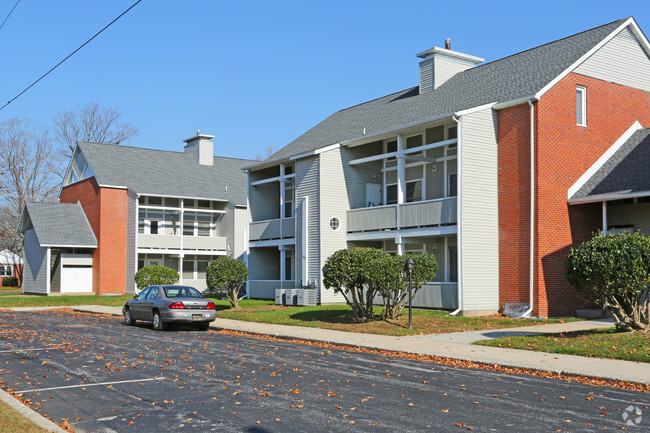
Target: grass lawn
x,y
601,343
339,317
13,422
8,300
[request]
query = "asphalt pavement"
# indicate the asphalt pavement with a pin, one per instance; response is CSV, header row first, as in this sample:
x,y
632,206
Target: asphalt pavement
x,y
103,376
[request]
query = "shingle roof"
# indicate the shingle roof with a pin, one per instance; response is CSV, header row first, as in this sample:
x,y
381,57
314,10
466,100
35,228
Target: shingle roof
x,y
58,224
624,173
518,76
166,173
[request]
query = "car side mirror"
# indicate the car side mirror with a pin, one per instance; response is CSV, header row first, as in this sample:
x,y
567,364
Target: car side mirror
x,y
135,297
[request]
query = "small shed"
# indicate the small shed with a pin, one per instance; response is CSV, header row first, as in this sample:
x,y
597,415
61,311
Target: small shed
x,y
58,247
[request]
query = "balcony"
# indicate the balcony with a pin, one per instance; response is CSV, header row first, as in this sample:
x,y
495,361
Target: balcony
x,y
273,229
429,213
172,242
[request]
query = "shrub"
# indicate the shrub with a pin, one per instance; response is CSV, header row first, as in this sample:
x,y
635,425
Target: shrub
x,y
153,275
9,282
227,275
357,273
396,292
614,271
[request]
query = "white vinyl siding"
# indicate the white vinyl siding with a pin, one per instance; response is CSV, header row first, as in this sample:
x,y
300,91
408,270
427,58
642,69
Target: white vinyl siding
x,y
131,234
334,203
478,196
621,61
238,240
36,265
307,182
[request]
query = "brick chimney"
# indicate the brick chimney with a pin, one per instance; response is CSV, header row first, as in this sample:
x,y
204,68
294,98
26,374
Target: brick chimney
x,y
201,147
440,64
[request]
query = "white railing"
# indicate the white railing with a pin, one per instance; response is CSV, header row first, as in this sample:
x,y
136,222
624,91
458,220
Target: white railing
x,y
398,216
173,242
281,228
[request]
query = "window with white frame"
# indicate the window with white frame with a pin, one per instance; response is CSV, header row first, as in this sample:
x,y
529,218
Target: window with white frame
x,y
288,199
6,271
581,106
198,224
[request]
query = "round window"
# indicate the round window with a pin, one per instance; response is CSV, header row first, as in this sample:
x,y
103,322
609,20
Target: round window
x,y
335,224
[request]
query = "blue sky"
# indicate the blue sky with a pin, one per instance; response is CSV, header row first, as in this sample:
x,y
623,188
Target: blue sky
x,y
256,74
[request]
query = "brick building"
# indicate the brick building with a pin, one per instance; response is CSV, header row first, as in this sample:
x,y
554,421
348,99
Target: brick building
x,y
479,164
122,208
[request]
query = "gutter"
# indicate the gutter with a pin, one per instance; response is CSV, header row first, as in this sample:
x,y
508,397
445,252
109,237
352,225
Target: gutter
x,y
528,312
458,218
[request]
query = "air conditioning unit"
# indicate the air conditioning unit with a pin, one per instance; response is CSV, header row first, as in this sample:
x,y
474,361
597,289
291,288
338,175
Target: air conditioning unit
x,y
280,296
291,297
307,297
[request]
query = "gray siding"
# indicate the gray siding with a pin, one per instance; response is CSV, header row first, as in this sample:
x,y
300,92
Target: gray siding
x,y
333,203
264,201
307,185
241,225
35,270
478,227
227,227
131,234
637,215
621,61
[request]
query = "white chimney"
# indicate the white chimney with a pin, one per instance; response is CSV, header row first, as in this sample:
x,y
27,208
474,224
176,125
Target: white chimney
x,y
440,64
201,147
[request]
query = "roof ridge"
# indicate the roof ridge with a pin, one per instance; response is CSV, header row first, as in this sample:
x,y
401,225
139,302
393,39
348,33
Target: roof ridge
x,y
176,152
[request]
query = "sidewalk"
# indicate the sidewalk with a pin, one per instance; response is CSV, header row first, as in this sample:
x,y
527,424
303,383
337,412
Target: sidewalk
x,y
454,345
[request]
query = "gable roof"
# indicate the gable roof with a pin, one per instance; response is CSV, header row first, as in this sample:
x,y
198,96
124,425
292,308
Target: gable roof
x,y
166,173
9,257
624,174
58,224
511,78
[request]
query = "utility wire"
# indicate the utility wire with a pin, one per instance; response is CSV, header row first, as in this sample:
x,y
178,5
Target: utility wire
x,y
10,12
69,55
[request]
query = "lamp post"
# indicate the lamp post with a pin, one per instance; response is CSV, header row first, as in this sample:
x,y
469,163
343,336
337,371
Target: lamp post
x,y
409,268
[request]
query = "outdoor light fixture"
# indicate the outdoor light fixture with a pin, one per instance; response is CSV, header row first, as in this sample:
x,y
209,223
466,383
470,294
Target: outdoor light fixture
x,y
409,268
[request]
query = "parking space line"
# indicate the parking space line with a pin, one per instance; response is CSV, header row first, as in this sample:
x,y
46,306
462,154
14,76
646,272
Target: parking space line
x,y
25,350
91,384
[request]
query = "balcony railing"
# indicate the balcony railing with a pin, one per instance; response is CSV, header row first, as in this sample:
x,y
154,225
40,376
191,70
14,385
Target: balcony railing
x,y
284,228
173,242
407,215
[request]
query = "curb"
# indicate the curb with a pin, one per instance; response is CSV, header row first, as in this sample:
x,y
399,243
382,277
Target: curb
x,y
30,414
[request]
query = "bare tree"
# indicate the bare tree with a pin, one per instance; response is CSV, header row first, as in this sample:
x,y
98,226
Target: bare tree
x,y
29,168
269,152
91,123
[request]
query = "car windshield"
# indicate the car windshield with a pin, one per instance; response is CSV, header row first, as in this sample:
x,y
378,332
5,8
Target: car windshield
x,y
182,292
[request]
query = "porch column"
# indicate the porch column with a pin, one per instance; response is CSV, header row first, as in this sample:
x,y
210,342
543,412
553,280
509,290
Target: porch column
x,y
401,176
604,217
282,180
283,256
446,256
400,246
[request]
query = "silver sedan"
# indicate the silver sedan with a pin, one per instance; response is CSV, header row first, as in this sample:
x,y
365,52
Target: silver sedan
x,y
163,305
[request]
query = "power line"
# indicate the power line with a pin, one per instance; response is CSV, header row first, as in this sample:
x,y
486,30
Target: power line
x,y
10,12
69,55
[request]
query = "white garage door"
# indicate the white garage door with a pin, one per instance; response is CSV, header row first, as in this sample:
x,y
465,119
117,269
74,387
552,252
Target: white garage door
x,y
76,279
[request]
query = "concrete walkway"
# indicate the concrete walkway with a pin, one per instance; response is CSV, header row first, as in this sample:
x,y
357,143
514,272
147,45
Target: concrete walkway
x,y
454,345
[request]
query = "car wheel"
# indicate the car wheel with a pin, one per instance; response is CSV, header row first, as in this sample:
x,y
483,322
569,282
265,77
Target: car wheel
x,y
158,324
128,320
203,326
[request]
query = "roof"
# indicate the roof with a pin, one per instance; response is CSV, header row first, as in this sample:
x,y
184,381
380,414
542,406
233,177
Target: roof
x,y
511,78
166,173
9,257
625,173
58,224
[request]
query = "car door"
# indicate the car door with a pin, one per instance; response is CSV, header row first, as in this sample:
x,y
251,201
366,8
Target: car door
x,y
149,303
136,305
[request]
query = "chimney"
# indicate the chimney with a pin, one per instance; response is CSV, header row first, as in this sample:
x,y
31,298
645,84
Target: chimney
x,y
201,147
440,64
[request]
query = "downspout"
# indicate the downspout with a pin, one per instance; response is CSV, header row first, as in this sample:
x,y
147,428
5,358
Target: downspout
x,y
528,312
459,265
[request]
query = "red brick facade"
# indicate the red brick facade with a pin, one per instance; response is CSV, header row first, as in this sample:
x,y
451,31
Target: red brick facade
x,y
564,151
106,212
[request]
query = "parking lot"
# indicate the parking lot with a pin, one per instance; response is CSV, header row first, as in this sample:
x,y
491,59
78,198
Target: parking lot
x,y
102,376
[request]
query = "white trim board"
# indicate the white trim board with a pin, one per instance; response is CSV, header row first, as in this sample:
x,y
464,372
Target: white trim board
x,y
603,159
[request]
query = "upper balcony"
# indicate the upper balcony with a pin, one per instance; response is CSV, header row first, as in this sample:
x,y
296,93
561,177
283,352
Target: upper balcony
x,y
430,213
280,228
173,242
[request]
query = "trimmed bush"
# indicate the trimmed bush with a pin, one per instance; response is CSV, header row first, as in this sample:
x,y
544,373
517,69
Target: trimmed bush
x,y
154,275
614,271
227,275
9,282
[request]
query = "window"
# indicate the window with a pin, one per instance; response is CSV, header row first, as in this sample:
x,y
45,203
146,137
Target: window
x,y
155,201
581,106
335,224
288,199
413,191
452,185
188,269
391,194
205,204
453,264
153,227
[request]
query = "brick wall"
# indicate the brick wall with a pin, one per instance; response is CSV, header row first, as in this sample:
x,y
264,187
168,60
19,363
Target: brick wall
x,y
564,151
105,209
